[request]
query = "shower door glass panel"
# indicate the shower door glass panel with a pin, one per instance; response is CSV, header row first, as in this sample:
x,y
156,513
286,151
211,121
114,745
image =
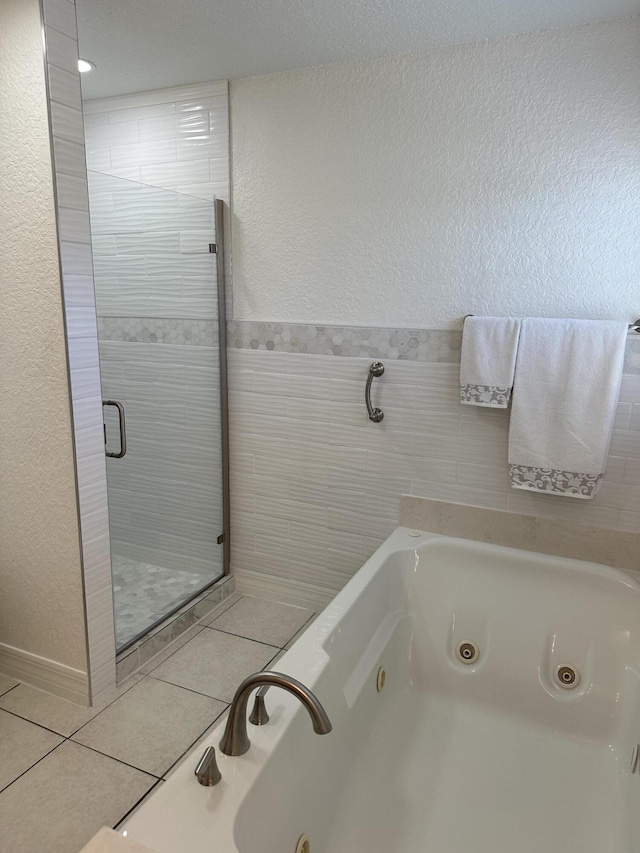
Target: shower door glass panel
x,y
157,306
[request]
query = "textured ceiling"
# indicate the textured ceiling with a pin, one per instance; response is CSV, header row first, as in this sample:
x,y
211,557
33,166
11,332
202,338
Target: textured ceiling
x,y
149,44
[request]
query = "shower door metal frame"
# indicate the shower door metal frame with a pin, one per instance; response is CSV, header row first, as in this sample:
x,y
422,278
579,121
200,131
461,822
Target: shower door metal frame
x,y
220,253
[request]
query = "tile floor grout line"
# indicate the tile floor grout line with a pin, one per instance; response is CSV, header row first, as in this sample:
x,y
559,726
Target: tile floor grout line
x,y
96,715
9,689
242,637
191,745
199,622
136,804
39,725
300,629
230,607
195,625
154,780
2,790
119,760
189,689
264,668
53,731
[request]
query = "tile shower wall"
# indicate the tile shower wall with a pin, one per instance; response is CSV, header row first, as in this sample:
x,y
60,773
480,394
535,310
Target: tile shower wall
x,y
156,161
175,139
65,115
317,484
165,500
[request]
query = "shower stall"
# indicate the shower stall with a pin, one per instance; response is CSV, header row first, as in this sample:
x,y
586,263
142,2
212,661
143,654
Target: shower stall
x,y
159,282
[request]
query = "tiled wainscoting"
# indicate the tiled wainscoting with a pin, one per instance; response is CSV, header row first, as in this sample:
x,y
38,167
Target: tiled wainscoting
x,y
316,485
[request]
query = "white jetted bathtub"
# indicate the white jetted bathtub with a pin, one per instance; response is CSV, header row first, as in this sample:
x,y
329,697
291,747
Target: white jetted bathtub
x,y
528,749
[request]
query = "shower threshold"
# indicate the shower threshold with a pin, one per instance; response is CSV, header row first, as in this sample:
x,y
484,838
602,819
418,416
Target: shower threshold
x,y
145,595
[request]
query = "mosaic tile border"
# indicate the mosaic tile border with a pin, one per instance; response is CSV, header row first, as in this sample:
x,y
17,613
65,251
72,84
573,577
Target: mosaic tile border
x,y
423,345
441,345
151,330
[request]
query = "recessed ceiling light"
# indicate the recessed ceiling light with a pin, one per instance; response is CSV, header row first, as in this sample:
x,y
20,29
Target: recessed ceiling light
x,y
85,65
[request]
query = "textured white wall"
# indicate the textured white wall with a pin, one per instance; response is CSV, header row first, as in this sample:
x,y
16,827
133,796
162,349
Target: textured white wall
x,y
41,607
501,176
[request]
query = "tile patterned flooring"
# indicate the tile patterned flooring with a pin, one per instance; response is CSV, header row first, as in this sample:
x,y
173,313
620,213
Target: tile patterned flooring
x,y
143,594
66,770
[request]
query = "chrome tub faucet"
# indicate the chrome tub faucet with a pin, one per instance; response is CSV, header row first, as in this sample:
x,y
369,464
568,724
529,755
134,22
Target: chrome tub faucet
x,y
235,740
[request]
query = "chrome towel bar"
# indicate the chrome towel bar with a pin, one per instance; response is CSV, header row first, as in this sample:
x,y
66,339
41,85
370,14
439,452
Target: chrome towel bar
x,y
633,327
375,369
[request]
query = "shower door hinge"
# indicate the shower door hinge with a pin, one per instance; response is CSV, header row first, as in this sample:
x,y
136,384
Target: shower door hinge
x,y
213,248
221,539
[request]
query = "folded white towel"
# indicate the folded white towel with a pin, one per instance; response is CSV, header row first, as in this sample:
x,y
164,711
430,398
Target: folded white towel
x,y
565,393
487,360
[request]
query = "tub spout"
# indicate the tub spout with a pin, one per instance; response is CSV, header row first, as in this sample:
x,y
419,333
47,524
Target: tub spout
x,y
235,740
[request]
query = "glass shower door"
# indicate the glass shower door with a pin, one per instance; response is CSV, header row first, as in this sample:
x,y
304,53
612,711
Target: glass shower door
x,y
157,306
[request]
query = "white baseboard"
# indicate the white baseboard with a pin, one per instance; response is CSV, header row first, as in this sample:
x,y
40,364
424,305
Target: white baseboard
x,y
281,589
49,675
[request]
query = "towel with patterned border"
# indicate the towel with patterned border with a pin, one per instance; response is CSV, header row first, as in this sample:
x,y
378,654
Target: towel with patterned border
x,y
564,403
488,361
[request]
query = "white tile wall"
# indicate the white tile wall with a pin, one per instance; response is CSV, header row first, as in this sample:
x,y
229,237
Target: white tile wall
x,y
151,251
161,157
316,485
165,497
175,139
65,109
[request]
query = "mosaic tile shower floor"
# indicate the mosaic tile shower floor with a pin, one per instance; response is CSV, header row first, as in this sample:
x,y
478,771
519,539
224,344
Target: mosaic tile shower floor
x,y
143,594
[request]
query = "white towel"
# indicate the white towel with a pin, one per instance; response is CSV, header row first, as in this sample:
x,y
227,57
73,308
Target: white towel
x,y
488,360
565,393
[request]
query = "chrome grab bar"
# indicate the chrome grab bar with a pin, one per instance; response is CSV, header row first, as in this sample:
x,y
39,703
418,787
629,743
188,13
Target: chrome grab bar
x,y
123,433
375,369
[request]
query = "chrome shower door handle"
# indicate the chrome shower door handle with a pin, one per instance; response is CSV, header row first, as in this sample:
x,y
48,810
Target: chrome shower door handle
x,y
375,369
123,433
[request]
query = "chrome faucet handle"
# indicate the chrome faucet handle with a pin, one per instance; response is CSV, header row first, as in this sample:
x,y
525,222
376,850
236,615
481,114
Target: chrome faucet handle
x,y
259,715
207,772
